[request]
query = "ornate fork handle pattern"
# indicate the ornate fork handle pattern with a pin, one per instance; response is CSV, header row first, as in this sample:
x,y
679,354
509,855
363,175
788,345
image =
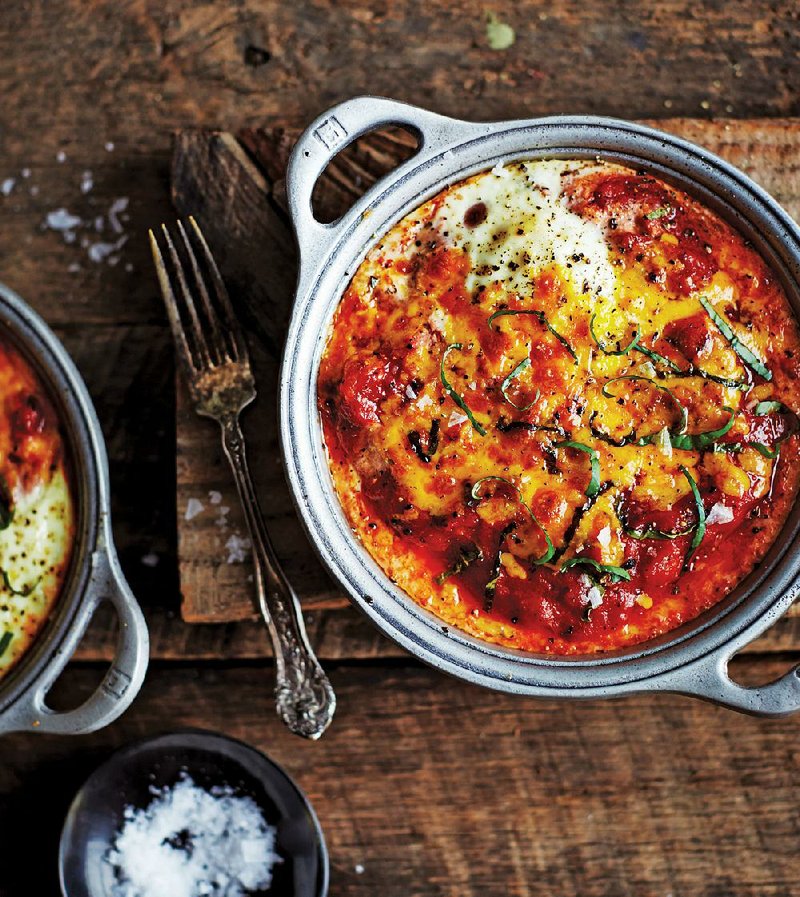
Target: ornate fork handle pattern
x,y
304,696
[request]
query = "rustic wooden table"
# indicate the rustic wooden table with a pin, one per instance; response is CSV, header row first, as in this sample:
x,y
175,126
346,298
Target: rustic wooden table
x,y
424,786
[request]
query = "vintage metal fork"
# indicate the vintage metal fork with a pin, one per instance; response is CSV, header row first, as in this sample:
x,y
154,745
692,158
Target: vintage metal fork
x,y
213,352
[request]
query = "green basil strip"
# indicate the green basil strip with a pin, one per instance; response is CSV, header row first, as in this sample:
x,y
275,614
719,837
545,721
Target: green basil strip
x,y
649,531
764,408
594,482
497,567
700,441
522,366
660,212
683,423
467,555
540,316
5,641
454,395
475,492
616,573
699,372
24,591
700,529
631,345
747,356
725,447
655,356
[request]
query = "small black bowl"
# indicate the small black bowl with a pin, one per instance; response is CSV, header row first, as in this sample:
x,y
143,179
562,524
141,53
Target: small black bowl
x,y
126,779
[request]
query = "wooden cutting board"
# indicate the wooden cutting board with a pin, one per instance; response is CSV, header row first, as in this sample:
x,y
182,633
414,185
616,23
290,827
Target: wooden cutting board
x,y
234,185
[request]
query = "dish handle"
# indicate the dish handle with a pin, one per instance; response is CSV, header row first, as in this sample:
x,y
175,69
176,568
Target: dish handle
x,y
708,678
335,129
121,682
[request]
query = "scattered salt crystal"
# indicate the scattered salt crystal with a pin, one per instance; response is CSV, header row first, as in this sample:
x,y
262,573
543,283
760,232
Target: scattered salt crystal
x,y
222,516
129,267
719,513
34,191
99,223
214,497
150,559
456,418
102,250
73,268
193,507
238,549
61,157
423,402
500,171
189,841
438,319
594,597
61,219
604,536
359,869
109,146
26,172
87,182
410,392
118,206
7,186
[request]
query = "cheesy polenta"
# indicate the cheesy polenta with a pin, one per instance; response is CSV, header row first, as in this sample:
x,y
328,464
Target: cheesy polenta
x,y
36,513
559,406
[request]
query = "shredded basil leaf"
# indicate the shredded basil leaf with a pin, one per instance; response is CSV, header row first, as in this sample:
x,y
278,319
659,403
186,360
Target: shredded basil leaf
x,y
540,316
594,482
467,555
24,591
764,408
699,441
700,529
522,366
616,573
5,641
766,451
631,345
655,356
491,586
454,395
507,426
660,212
475,492
747,356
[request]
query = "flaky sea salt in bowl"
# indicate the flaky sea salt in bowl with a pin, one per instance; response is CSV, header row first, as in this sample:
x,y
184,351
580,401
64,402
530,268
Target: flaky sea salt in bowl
x,y
191,814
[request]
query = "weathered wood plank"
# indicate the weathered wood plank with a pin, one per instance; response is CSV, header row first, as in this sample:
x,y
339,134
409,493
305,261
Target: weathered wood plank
x,y
239,199
441,789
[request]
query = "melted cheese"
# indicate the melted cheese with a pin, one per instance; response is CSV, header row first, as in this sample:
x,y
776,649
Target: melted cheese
x,y
423,394
36,543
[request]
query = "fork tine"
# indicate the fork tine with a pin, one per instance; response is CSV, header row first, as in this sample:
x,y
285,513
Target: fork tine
x,y
173,314
215,330
196,330
231,323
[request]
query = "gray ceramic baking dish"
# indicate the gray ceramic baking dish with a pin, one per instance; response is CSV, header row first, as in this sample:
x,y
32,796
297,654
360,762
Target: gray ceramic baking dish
x,y
692,660
94,575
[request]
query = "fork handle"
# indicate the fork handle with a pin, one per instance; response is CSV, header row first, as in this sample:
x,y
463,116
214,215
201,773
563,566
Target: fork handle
x,y
304,697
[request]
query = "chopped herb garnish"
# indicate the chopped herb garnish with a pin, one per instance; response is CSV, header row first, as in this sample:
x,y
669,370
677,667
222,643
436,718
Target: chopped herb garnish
x,y
414,438
700,441
747,356
615,573
660,212
24,591
735,447
507,426
467,555
604,349
594,482
700,529
764,408
540,316
491,586
5,641
522,366
476,491
649,530
454,395
657,357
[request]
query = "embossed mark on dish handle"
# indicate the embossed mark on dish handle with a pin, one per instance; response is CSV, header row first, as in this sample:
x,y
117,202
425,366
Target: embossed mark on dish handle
x,y
304,697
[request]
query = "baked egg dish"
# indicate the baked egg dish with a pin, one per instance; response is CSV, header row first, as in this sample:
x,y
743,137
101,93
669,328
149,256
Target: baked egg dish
x,y
559,405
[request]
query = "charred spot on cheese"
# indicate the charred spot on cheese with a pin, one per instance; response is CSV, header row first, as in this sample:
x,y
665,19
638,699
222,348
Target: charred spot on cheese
x,y
36,514
555,397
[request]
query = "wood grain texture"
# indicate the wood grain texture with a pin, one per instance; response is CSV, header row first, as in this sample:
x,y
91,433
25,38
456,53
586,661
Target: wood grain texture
x,y
441,789
236,189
